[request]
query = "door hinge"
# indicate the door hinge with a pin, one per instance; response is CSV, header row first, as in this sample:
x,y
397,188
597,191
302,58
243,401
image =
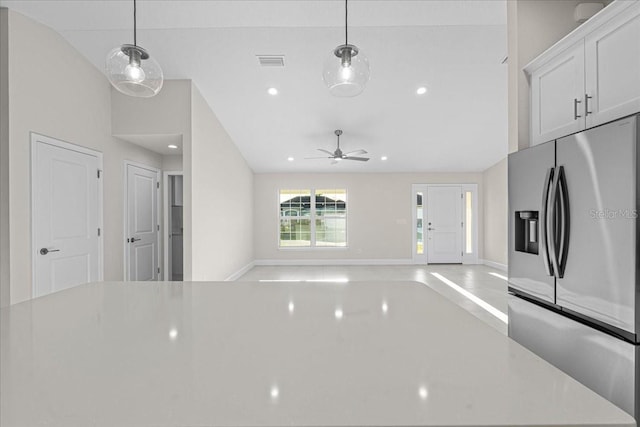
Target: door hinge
x,y
99,173
158,227
158,270
98,232
462,224
157,185
462,196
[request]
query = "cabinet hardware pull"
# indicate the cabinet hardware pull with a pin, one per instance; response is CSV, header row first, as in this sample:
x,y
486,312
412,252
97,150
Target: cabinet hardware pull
x,y
586,104
576,116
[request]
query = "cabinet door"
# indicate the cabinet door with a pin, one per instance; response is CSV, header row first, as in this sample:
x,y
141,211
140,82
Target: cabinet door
x,y
612,58
557,92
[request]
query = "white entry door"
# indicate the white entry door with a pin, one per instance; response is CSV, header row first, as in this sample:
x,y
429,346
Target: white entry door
x,y
66,215
142,227
444,224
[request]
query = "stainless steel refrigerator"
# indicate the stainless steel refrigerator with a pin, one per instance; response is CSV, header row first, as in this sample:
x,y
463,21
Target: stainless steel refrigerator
x,y
574,256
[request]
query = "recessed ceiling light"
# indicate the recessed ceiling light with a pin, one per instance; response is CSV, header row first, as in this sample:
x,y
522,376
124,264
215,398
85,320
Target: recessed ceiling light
x,y
421,90
291,159
383,158
272,91
172,146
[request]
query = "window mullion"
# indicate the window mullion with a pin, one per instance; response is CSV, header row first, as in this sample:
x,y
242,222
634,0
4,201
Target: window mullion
x,y
313,217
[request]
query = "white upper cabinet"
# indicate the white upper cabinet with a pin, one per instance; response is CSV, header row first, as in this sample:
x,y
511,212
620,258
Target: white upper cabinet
x,y
612,65
557,89
590,77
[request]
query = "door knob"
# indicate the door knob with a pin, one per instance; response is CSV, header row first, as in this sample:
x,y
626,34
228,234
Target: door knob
x,y
133,239
45,251
430,228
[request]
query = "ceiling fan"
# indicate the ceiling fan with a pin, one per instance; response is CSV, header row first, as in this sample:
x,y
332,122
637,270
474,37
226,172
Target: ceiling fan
x,y
338,155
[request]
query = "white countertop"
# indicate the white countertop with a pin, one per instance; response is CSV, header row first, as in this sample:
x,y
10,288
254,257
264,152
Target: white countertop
x,y
274,354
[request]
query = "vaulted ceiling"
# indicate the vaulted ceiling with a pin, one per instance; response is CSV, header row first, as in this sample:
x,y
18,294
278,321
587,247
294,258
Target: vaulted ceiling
x,y
453,48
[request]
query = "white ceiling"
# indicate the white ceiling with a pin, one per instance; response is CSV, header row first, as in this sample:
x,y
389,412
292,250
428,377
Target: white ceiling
x,y
454,48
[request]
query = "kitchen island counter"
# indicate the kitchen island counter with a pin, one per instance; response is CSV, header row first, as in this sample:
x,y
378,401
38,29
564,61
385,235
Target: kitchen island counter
x,y
274,354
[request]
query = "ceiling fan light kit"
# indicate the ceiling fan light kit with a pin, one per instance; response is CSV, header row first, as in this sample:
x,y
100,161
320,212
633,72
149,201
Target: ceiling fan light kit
x,y
346,70
131,70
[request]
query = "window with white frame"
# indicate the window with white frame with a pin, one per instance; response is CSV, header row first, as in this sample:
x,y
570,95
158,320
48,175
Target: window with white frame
x,y
313,218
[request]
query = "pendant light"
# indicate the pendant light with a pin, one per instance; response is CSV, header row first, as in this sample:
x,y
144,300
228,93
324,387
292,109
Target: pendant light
x,y
346,70
131,70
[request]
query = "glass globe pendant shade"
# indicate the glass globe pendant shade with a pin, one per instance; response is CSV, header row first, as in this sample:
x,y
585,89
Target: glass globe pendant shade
x,y
346,71
133,72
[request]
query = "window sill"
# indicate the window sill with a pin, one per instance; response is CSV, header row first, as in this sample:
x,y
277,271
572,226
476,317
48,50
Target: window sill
x,y
313,248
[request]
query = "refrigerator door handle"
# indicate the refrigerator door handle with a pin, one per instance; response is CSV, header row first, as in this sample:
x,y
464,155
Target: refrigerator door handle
x,y
544,223
552,225
563,219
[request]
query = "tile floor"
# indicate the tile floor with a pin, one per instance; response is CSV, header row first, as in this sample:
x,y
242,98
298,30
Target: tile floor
x,y
478,289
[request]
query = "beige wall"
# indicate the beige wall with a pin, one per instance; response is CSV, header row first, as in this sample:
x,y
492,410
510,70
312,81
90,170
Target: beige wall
x,y
532,27
379,213
496,210
172,163
4,160
221,198
167,113
57,93
218,184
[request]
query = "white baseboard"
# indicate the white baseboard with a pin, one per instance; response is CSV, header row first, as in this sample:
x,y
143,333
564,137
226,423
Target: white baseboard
x,y
301,262
239,273
496,265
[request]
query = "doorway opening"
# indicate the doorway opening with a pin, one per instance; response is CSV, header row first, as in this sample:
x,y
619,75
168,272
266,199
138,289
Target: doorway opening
x,y
445,221
173,226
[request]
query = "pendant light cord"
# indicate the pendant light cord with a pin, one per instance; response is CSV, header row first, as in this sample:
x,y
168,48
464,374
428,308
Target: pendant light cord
x,y
135,41
346,21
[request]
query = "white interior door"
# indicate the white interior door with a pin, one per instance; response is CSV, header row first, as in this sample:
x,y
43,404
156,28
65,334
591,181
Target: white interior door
x,y
142,225
444,224
66,215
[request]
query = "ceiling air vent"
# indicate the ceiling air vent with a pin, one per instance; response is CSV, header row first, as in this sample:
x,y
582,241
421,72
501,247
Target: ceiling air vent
x,y
271,60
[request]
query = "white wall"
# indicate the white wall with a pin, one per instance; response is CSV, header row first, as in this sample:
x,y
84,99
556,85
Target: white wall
x,y
496,213
221,199
56,92
379,213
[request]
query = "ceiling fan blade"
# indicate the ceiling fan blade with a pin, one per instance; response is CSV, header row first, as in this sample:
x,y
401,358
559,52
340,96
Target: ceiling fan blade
x,y
311,158
355,152
325,151
360,159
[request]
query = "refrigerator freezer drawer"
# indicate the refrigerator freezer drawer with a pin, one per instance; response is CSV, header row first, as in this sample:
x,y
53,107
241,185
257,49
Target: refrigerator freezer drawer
x,y
605,364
